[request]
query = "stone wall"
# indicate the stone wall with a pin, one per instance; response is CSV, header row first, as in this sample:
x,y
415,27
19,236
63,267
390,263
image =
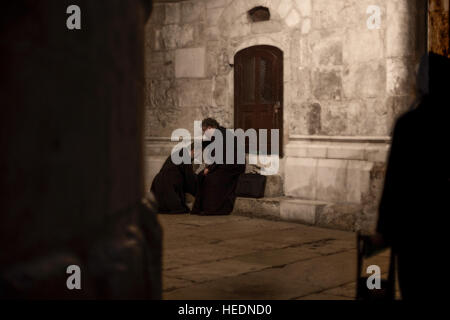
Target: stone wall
x,y
344,84
71,167
340,77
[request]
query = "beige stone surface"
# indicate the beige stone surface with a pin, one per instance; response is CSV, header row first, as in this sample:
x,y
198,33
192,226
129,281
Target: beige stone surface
x,y
300,179
293,18
244,258
279,261
304,6
342,60
190,63
303,211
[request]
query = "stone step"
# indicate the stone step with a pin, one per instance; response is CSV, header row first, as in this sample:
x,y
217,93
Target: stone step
x,y
274,188
311,212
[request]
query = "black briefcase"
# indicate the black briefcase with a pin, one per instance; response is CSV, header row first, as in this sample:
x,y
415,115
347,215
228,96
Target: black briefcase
x,y
251,185
387,290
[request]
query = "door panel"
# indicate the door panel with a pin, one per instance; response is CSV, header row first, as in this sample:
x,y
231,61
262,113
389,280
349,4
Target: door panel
x,y
258,85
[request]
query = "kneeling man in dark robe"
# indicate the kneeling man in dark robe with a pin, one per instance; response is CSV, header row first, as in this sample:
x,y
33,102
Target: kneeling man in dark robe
x,y
172,183
217,182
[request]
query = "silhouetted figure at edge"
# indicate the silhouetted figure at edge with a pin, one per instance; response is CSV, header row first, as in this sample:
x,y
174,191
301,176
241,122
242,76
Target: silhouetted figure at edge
x,y
218,181
414,208
172,182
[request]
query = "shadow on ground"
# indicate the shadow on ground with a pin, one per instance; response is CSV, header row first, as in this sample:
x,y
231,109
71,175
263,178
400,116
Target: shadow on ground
x,y
233,257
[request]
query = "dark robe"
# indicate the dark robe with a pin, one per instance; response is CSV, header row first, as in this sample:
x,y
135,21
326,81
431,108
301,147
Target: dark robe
x,y
216,190
414,209
170,185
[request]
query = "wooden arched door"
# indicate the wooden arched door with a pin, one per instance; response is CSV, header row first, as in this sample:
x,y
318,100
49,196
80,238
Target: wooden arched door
x,y
258,90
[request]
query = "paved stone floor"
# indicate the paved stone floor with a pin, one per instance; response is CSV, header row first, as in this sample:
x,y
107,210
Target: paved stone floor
x,y
233,257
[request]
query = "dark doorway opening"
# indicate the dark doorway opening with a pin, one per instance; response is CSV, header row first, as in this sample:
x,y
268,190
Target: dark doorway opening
x,y
258,91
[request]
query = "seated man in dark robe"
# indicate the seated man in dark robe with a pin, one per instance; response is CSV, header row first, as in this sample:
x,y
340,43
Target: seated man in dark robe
x,y
172,182
217,182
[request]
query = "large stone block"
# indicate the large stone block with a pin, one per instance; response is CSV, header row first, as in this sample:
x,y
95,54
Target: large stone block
x,y
158,71
354,13
213,15
274,186
295,149
240,28
347,152
302,211
266,27
263,208
161,122
333,117
169,35
331,180
326,49
304,6
212,33
368,117
217,3
292,19
366,80
160,94
400,76
358,180
306,25
300,177
284,8
185,36
190,63
377,153
153,41
220,91
232,13
363,45
396,106
192,12
301,79
157,17
327,14
172,13
339,216
327,84
216,59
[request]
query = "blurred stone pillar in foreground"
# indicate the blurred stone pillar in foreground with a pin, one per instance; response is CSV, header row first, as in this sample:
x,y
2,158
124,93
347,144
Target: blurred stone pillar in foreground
x,y
71,165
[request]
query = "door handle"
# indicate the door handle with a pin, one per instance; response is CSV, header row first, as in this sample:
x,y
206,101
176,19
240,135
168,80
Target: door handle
x,y
276,107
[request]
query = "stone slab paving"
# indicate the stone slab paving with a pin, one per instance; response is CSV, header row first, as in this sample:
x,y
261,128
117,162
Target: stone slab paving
x,y
234,257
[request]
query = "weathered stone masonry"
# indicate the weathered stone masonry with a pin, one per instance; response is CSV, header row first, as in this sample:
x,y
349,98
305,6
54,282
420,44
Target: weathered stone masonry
x,y
344,86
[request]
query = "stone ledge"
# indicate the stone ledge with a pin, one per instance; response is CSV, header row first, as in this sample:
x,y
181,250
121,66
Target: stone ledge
x,y
330,149
334,180
355,139
342,216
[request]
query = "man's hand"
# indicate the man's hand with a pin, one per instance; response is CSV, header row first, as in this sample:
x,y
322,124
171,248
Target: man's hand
x,y
205,172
